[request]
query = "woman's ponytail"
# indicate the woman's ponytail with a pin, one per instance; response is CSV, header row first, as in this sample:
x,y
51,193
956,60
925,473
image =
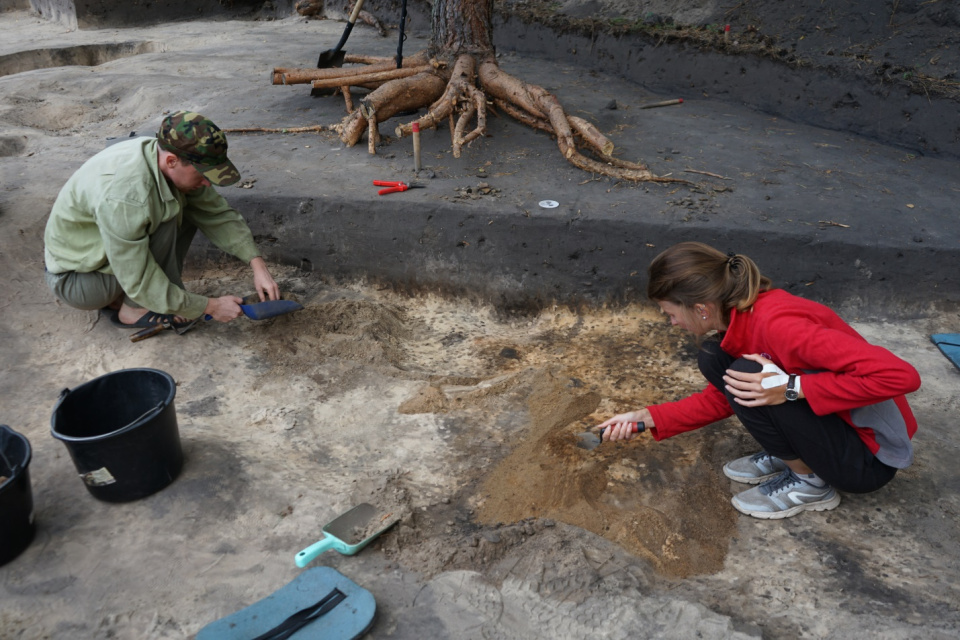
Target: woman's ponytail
x,y
692,272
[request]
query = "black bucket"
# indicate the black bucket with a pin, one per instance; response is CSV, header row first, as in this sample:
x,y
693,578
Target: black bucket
x,y
121,431
16,499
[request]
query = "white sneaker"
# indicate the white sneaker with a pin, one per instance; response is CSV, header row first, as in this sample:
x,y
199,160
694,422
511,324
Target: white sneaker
x,y
754,469
784,496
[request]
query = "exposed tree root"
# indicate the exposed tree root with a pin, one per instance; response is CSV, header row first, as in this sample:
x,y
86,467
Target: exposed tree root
x,y
460,95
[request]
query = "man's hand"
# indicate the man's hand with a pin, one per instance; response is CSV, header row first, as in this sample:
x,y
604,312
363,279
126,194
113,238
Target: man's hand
x,y
747,388
620,427
224,308
266,288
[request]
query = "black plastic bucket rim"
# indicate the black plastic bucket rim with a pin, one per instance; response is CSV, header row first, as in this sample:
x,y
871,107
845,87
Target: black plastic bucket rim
x,y
146,417
27,457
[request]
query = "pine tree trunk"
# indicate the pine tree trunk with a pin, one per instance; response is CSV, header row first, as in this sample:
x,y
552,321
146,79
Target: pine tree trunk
x,y
462,26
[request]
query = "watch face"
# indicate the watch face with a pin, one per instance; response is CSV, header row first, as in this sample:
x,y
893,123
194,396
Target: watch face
x,y
791,392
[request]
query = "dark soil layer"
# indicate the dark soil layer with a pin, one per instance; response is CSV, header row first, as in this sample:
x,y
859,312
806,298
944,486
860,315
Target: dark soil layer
x,y
887,70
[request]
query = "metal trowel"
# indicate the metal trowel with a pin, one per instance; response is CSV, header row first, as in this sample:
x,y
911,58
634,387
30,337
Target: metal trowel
x,y
349,532
589,440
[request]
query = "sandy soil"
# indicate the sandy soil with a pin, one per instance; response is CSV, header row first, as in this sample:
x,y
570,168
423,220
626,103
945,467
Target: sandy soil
x,y
455,417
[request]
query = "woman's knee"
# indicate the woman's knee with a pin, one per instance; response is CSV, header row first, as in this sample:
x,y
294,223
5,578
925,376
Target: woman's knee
x,y
713,363
870,481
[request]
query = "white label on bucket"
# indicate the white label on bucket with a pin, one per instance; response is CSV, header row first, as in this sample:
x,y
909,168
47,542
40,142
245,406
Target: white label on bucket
x,y
98,478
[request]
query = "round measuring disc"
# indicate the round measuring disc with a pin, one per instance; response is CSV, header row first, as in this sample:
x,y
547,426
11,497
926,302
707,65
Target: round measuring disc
x,y
549,204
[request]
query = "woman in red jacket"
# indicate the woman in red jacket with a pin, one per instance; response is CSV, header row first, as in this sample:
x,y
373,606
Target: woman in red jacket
x,y
827,408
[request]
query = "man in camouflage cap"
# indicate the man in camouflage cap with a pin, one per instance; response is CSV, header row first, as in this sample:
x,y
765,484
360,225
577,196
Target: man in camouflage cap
x,y
201,143
120,228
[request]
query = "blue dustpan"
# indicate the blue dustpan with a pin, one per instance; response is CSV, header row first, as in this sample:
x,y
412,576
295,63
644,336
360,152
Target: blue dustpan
x,y
949,345
319,603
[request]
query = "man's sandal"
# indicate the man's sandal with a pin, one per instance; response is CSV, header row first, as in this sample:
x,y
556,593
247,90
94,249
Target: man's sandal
x,y
149,320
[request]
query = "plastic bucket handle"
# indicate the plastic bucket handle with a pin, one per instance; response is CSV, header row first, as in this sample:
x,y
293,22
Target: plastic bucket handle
x,y
149,413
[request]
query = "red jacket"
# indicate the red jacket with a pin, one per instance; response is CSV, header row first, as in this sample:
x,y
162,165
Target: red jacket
x,y
842,373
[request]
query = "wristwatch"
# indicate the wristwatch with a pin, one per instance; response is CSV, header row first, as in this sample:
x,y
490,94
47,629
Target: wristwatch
x,y
792,393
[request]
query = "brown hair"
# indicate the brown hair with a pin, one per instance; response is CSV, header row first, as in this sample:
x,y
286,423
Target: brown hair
x,y
692,272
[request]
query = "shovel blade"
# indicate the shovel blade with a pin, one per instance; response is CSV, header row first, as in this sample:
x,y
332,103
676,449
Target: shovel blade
x,y
269,309
331,58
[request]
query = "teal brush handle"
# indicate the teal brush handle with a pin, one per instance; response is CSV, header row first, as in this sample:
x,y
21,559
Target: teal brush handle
x,y
308,555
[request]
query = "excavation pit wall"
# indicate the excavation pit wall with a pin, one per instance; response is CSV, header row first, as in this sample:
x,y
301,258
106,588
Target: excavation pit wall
x,y
578,256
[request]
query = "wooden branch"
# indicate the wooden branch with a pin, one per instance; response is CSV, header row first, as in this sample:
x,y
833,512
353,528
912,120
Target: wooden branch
x,y
557,117
284,75
402,94
624,164
351,128
479,100
593,136
371,20
706,173
465,116
522,116
373,133
500,84
374,76
545,112
464,71
637,174
317,128
365,59
304,76
535,123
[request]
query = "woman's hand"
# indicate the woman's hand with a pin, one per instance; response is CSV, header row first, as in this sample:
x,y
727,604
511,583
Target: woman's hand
x,y
621,427
747,388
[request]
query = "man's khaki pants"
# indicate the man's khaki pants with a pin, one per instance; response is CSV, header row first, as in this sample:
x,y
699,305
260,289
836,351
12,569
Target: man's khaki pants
x,y
95,290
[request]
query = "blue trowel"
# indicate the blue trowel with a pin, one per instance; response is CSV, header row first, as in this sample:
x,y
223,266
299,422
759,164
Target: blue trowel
x,y
253,309
256,310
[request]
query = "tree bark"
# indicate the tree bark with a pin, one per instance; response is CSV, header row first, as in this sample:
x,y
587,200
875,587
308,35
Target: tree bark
x,y
462,26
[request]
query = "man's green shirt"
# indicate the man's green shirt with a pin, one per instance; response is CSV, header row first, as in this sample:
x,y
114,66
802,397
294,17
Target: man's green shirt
x,y
104,216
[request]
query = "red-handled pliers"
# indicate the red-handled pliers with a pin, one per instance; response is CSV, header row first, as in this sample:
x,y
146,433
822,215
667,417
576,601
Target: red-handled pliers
x,y
395,186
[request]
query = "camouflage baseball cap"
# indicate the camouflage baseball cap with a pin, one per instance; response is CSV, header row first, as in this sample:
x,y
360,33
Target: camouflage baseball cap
x,y
201,143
